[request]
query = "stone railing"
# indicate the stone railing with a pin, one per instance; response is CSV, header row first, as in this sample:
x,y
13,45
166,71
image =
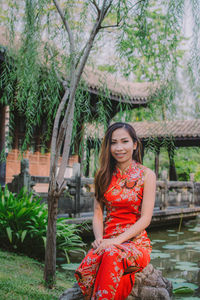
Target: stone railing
x,y
79,193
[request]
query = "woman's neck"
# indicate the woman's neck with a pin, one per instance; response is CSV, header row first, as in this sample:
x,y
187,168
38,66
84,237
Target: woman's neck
x,y
124,166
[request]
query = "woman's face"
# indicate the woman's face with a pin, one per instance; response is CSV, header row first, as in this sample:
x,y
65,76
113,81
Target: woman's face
x,y
122,147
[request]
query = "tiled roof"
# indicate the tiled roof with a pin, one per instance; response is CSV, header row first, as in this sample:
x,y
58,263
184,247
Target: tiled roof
x,y
118,89
176,129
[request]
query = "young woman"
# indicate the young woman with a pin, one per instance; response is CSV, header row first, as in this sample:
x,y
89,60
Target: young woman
x,y
121,246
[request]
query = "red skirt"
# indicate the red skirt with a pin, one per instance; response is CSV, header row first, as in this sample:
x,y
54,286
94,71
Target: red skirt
x,y
111,274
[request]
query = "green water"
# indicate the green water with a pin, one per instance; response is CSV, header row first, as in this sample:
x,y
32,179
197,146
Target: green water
x,y
176,252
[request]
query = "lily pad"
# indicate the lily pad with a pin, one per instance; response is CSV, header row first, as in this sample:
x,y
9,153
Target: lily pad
x,y
176,280
174,247
196,229
187,263
156,251
159,255
159,241
183,290
172,234
189,298
186,268
196,249
70,267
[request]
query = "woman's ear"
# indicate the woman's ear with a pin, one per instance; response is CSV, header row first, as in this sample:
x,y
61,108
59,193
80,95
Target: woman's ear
x,y
135,146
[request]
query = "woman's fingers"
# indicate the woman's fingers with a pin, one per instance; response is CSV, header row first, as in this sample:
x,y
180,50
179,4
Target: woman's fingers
x,y
97,243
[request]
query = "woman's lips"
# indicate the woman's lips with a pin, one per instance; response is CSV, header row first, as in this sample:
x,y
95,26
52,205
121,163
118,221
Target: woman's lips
x,y
119,154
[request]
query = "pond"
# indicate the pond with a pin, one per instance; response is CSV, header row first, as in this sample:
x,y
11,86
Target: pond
x,y
176,252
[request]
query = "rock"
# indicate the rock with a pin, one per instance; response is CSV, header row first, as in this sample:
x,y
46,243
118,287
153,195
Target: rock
x,y
149,285
72,294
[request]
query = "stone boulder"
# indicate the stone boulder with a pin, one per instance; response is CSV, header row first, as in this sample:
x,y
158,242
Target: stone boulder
x,y
149,285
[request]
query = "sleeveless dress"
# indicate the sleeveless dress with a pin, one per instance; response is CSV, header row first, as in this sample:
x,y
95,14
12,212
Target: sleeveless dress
x,y
110,274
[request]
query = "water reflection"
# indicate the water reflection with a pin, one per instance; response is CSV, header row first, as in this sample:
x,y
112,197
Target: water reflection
x,y
177,254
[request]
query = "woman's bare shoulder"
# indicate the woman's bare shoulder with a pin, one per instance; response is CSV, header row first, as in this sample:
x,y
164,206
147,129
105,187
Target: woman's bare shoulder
x,y
149,174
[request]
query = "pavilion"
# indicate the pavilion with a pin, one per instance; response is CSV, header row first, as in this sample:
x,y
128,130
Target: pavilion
x,y
158,134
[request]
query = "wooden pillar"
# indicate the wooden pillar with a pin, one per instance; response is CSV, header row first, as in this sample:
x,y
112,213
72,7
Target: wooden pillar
x,y
172,167
88,151
157,162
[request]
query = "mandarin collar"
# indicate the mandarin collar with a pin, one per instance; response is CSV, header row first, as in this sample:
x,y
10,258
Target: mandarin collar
x,y
119,174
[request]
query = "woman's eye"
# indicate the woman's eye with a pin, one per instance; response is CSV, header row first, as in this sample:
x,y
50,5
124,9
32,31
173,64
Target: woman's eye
x,y
113,143
125,141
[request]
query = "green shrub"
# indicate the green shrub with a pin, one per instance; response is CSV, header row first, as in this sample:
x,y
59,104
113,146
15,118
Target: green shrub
x,y
23,226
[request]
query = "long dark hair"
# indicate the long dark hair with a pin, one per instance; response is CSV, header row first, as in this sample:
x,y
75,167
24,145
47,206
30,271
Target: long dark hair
x,y
108,163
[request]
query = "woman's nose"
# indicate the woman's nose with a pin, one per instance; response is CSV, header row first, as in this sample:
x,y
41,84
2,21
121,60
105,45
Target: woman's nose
x,y
119,147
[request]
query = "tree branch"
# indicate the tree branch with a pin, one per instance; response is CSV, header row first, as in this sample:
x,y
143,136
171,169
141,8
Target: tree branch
x,y
93,34
54,154
66,148
96,6
135,4
71,38
111,26
67,27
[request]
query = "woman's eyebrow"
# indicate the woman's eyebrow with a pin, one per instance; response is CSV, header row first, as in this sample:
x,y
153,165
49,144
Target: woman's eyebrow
x,y
124,138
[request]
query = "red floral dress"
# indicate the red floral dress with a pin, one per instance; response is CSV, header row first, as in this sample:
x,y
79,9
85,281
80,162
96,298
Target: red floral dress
x,y
110,274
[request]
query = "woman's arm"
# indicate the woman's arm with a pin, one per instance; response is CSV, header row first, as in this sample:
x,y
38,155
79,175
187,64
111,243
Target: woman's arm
x,y
146,210
97,224
146,213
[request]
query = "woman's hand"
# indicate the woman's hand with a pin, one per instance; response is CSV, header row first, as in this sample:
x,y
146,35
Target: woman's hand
x,y
97,243
106,243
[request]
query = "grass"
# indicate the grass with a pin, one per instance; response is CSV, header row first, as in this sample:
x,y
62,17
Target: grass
x,y
21,278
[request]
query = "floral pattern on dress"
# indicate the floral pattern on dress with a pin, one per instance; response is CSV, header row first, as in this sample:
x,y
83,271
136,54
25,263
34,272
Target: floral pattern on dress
x,y
103,276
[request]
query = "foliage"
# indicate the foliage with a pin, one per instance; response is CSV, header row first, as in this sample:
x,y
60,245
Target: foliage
x,y
187,161
182,155
68,239
150,50
22,278
23,220
108,68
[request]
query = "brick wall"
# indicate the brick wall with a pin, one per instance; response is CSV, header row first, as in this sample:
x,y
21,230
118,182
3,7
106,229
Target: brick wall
x,y
39,164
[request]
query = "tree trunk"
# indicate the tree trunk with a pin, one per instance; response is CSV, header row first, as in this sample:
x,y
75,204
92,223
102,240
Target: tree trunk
x,y
50,253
